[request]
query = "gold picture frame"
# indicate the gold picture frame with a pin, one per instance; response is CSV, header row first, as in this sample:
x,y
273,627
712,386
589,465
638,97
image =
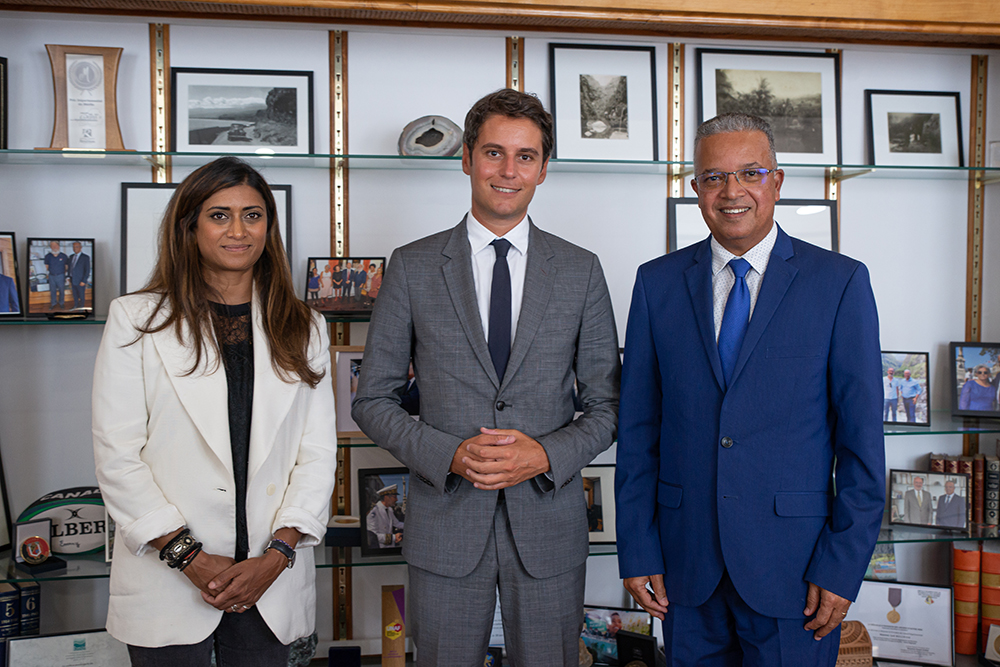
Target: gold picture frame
x,y
84,80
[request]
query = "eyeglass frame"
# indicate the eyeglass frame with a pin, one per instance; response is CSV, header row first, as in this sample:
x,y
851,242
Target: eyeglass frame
x,y
727,174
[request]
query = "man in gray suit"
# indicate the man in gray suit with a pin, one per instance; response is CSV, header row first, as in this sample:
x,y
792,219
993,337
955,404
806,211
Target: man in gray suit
x,y
501,319
917,503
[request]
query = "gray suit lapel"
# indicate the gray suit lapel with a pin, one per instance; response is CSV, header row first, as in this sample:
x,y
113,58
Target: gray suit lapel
x,y
699,283
462,288
539,278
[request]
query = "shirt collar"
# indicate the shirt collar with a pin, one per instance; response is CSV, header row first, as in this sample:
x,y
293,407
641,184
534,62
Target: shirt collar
x,y
480,237
758,255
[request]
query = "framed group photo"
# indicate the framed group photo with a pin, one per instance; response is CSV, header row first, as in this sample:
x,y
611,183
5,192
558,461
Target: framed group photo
x,y
929,499
914,127
797,92
604,101
60,276
382,503
11,303
976,381
344,286
811,220
905,385
241,111
599,492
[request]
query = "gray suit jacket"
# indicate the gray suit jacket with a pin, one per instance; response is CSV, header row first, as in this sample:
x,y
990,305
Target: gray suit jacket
x,y
566,331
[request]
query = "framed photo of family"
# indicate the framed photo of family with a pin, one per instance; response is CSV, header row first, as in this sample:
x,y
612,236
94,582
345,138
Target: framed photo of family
x,y
604,101
11,303
599,491
797,92
905,382
934,499
976,381
344,286
914,127
241,111
382,503
60,277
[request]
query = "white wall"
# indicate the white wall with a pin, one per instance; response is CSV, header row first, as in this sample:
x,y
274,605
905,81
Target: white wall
x,y
910,232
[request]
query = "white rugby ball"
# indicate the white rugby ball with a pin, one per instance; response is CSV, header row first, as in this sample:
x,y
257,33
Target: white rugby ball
x,y
77,515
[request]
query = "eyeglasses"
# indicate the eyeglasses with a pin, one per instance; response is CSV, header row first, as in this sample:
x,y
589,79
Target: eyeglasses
x,y
983,372
715,180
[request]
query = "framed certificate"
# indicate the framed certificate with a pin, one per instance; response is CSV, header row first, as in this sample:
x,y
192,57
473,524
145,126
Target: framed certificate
x,y
907,623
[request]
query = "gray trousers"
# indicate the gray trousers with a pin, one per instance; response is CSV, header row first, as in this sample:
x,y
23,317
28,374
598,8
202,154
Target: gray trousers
x,y
452,616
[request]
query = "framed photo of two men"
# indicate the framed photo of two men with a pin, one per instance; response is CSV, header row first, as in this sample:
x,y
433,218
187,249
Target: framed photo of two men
x,y
934,499
60,277
11,303
905,383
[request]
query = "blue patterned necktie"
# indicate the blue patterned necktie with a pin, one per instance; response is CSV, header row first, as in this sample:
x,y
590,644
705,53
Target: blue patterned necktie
x,y
735,318
499,339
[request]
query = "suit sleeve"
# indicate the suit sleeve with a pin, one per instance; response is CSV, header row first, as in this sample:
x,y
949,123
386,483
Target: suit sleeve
x,y
638,464
845,546
427,451
598,377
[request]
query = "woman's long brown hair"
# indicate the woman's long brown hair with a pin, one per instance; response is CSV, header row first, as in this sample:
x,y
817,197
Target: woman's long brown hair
x,y
178,280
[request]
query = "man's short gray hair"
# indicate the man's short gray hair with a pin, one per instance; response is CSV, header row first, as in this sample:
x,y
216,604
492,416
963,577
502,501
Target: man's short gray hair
x,y
736,122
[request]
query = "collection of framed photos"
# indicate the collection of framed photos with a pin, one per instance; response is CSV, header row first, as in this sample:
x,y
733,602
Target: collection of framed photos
x,y
60,278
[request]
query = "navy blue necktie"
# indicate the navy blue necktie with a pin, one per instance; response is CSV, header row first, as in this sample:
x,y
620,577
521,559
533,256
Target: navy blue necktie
x,y
499,340
735,318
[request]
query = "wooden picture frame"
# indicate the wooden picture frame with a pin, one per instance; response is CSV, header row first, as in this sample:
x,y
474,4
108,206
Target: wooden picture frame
x,y
385,539
11,299
85,80
604,101
798,92
77,292
916,411
599,493
914,128
353,295
345,362
969,397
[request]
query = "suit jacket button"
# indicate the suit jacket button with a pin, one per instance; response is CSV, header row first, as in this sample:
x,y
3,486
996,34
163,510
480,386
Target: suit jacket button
x,y
727,442
501,405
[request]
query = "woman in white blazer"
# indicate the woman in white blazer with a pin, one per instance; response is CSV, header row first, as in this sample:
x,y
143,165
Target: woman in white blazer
x,y
214,436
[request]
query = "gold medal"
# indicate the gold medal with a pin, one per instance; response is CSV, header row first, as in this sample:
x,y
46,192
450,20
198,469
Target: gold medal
x,y
893,616
34,550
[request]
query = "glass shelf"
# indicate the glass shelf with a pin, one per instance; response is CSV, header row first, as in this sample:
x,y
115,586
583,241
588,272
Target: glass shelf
x,y
891,534
42,320
330,557
355,441
943,423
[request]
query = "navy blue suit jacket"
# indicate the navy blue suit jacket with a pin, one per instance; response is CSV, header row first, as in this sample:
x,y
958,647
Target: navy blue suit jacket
x,y
8,295
80,272
710,479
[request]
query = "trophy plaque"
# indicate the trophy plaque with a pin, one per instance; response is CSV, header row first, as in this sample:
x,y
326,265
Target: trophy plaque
x,y
84,79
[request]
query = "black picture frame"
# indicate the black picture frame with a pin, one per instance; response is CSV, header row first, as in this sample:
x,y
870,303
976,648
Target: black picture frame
x,y
914,128
37,280
143,205
6,524
370,482
188,84
917,364
599,493
3,103
903,483
330,296
795,73
599,631
811,220
576,137
970,400
10,283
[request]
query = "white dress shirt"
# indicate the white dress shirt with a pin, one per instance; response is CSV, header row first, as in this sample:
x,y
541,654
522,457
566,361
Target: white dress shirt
x,y
723,278
483,259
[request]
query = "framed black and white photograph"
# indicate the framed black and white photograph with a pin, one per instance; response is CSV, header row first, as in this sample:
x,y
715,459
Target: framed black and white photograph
x,y
599,492
346,362
977,379
60,277
382,503
241,111
604,101
811,220
143,206
797,92
3,103
905,383
344,286
914,128
601,626
11,301
930,499
909,623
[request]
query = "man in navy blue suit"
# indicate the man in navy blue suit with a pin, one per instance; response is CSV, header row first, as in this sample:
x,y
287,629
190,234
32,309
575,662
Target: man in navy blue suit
x,y
79,272
8,295
752,374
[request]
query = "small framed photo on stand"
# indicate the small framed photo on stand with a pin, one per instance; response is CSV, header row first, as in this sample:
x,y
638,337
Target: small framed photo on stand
x,y
976,381
382,503
11,302
344,286
61,278
346,361
906,400
929,499
602,627
914,128
599,491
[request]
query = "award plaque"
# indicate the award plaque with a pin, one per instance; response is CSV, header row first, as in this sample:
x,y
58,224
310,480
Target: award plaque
x,y
85,83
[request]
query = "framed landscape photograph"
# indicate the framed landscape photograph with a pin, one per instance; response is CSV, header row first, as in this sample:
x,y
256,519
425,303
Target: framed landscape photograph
x,y
811,220
604,101
976,381
601,626
11,303
797,92
382,503
914,128
905,383
143,206
241,111
346,361
60,277
599,491
343,286
929,499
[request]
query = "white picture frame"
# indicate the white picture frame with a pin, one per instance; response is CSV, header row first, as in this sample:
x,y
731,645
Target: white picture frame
x,y
346,361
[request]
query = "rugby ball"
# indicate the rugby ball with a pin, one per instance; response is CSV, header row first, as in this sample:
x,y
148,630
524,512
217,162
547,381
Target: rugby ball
x,y
77,515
